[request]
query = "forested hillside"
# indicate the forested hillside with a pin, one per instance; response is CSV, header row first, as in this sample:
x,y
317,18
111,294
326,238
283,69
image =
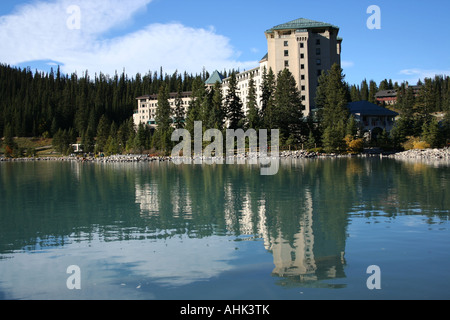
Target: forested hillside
x,y
98,109
38,104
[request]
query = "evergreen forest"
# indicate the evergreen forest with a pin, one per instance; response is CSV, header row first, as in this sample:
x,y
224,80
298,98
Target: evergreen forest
x,y
96,110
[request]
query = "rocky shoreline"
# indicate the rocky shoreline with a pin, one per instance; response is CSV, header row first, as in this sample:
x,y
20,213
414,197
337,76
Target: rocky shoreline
x,y
427,154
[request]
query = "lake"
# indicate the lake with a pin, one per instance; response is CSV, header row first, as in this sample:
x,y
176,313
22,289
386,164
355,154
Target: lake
x,y
161,231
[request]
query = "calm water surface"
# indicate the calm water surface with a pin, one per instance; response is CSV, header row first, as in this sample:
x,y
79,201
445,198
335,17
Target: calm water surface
x,y
161,231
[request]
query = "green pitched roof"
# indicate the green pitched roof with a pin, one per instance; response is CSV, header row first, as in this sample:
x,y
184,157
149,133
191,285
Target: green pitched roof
x,y
302,24
216,76
366,108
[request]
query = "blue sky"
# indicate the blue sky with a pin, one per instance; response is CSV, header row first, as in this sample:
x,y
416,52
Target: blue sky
x,y
187,35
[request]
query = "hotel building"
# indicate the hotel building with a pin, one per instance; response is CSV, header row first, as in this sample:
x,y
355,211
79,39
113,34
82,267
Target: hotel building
x,y
147,104
305,47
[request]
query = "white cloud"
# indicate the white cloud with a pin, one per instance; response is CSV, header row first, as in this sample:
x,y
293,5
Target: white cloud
x,y
172,46
347,64
173,262
414,74
39,31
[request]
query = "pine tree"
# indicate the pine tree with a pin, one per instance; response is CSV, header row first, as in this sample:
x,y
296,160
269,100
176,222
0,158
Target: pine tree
x,y
195,105
206,110
122,136
63,139
373,89
333,138
352,127
253,118
88,140
335,104
218,113
267,99
141,139
163,111
384,85
401,90
384,141
163,119
233,104
131,135
103,132
431,133
9,143
57,141
333,112
112,146
400,132
426,99
409,103
355,94
364,90
55,126
287,114
179,113
311,142
446,129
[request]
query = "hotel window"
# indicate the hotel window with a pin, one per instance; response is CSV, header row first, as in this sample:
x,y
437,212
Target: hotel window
x,y
286,53
318,51
318,42
286,43
302,77
302,55
303,88
286,63
318,62
319,72
302,66
301,45
303,98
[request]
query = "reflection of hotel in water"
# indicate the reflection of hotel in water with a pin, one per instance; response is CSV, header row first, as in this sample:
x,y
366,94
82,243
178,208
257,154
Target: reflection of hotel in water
x,y
311,256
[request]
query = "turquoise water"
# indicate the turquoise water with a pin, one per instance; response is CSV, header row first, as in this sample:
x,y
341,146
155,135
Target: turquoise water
x,y
162,231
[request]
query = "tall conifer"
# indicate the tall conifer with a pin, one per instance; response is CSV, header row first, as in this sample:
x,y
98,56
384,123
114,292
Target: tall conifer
x,y
233,104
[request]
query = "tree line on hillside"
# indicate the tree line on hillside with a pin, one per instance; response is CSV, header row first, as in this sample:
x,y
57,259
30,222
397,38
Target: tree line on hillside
x,y
38,104
49,105
281,109
99,110
424,113
330,127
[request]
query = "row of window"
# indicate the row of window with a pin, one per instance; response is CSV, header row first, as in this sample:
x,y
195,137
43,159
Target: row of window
x,y
152,110
155,104
302,66
302,55
302,44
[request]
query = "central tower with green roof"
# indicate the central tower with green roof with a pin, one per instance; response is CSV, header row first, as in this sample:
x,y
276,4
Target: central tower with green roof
x,y
307,48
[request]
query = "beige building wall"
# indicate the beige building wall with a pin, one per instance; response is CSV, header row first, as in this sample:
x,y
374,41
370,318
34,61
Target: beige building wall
x,y
146,111
305,47
306,53
243,80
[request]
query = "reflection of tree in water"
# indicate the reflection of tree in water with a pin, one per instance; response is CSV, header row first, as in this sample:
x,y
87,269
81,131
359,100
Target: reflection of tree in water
x,y
46,203
404,187
308,258
286,211
314,250
300,214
